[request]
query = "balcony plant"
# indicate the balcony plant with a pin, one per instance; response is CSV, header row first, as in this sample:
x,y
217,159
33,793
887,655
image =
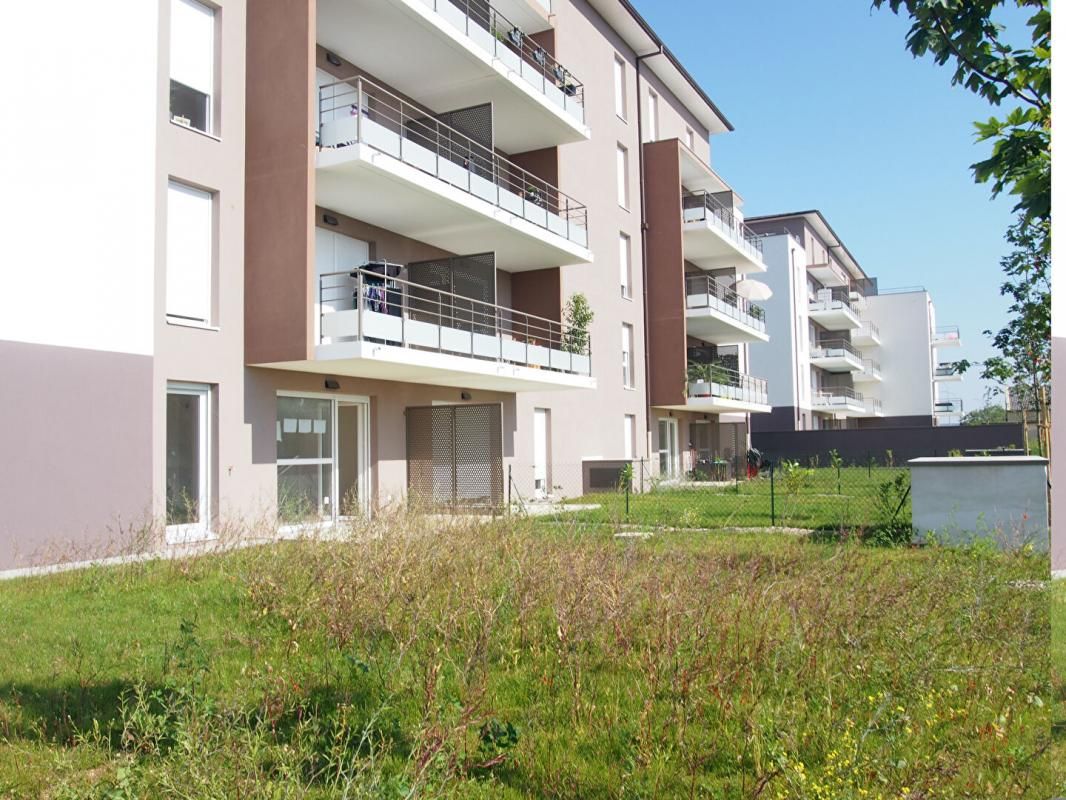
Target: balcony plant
x,y
578,316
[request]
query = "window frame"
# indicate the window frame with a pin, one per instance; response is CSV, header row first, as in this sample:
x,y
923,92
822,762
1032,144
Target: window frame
x,y
186,532
628,376
622,168
173,315
653,115
621,106
212,128
625,264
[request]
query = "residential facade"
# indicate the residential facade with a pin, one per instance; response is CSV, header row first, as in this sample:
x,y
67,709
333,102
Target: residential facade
x,y
333,272
845,354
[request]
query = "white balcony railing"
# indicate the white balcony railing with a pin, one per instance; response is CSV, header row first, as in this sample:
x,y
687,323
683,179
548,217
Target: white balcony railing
x,y
358,111
703,291
716,380
365,306
493,33
839,397
705,207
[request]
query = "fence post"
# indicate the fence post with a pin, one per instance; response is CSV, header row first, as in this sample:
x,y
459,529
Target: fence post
x,y
642,474
508,488
869,464
773,507
628,483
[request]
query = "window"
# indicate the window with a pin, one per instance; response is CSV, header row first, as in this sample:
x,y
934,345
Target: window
x,y
187,462
619,87
623,177
625,265
190,252
690,138
629,435
653,116
627,355
192,64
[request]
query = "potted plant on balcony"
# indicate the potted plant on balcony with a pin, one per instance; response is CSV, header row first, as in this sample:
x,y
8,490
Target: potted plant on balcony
x,y
699,380
578,316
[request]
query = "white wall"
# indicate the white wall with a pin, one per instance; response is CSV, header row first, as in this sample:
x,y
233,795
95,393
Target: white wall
x,y
78,160
906,353
786,354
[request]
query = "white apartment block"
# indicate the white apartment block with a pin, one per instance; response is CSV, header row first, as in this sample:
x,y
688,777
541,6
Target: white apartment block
x,y
842,353
320,264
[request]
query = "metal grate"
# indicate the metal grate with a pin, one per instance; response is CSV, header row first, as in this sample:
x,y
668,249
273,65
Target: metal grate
x,y
455,456
472,277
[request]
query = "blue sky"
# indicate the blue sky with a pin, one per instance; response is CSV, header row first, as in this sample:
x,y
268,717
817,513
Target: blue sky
x,y
832,112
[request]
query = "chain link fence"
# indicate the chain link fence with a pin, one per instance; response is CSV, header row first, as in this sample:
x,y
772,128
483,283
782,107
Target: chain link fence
x,y
817,494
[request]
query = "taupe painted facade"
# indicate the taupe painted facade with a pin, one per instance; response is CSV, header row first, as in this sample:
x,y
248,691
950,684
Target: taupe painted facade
x,y
260,165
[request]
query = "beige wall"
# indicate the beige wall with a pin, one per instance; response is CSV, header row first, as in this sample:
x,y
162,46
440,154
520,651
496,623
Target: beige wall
x,y
213,356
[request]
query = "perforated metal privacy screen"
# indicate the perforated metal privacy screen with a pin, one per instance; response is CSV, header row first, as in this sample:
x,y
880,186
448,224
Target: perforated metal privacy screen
x,y
472,277
455,456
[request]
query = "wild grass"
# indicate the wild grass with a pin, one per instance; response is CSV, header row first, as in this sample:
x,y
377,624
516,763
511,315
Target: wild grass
x,y
822,498
506,660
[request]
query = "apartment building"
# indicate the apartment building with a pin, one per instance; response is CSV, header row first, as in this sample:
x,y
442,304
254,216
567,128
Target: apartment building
x,y
323,266
844,353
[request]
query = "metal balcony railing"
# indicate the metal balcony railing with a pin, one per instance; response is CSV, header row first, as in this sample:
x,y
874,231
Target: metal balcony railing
x,y
873,405
703,291
945,370
485,25
831,348
839,396
704,206
830,265
718,380
358,111
948,405
869,330
871,367
946,333
360,305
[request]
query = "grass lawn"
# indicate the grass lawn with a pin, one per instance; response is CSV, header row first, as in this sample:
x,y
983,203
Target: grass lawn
x,y
818,498
499,661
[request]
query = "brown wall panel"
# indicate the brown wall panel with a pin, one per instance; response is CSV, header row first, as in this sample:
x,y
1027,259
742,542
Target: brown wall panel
x,y
666,273
279,252
537,292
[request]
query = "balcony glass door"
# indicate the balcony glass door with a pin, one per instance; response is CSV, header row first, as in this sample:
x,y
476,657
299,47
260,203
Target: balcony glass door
x,y
323,458
335,252
668,451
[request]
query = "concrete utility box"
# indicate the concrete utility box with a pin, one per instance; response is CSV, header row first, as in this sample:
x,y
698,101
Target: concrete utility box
x,y
999,498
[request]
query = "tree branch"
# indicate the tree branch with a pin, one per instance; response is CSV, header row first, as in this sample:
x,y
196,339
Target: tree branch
x,y
940,26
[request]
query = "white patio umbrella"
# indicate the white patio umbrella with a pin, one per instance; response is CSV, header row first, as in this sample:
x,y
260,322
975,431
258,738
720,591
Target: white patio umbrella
x,y
753,290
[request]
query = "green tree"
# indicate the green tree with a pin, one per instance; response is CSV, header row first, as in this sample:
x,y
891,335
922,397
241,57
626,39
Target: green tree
x,y
578,317
990,414
965,33
1024,343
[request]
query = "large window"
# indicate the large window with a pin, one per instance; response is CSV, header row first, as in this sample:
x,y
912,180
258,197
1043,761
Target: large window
x,y
629,435
190,252
623,177
192,64
187,462
653,116
322,455
627,355
620,87
305,458
625,264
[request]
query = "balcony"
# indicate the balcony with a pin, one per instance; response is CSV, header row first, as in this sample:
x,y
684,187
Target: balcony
x,y
947,336
946,372
716,388
392,164
384,328
715,236
829,273
717,314
947,411
870,372
836,355
463,53
831,308
866,335
841,401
